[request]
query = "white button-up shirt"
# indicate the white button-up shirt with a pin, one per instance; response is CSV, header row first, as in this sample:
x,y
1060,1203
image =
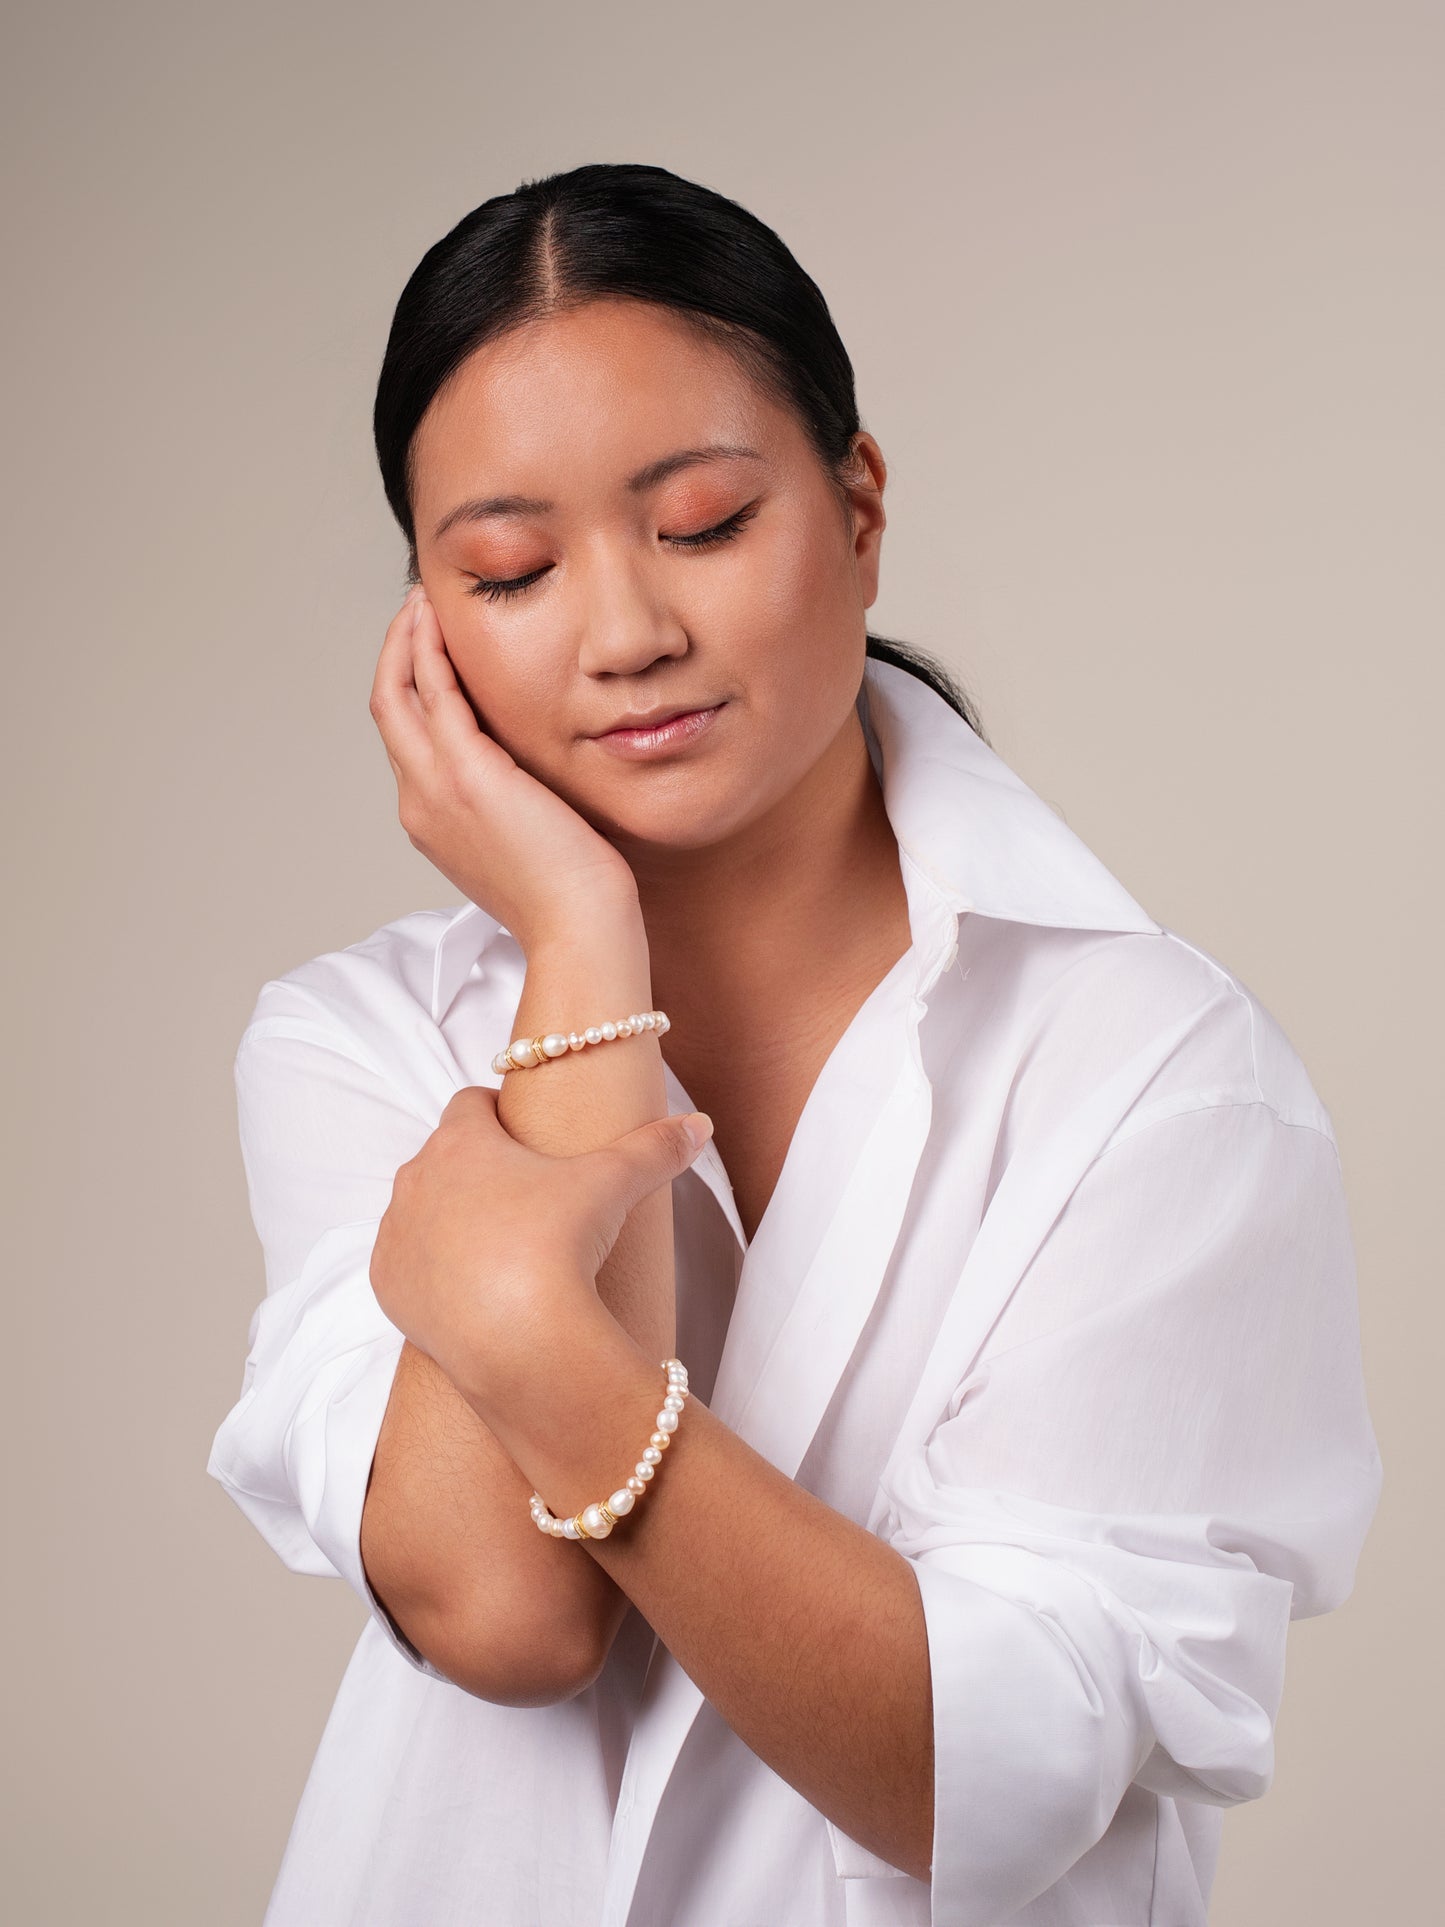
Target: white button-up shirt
x,y
1055,1294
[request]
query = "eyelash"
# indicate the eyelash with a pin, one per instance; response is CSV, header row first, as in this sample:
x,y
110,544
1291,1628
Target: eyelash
x,y
497,591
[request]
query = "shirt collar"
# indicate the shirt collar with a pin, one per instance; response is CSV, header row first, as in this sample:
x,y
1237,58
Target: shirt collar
x,y
971,827
986,841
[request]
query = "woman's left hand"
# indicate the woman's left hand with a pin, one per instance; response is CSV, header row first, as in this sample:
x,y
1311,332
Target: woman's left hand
x,y
490,1250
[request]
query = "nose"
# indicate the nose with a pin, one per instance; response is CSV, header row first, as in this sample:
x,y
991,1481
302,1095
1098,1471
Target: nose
x,y
627,624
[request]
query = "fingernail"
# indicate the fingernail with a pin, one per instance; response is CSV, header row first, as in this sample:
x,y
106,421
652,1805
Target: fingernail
x,y
699,1127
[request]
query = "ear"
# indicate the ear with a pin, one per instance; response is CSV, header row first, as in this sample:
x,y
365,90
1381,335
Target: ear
x,y
865,478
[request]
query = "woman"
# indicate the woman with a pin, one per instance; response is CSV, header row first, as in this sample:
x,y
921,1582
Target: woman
x,y
1019,1405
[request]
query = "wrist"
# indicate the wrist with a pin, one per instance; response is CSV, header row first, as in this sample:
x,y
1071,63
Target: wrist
x,y
578,1444
539,1310
610,925
519,1401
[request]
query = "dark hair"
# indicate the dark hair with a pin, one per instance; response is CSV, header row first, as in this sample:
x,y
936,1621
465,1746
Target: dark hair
x,y
623,229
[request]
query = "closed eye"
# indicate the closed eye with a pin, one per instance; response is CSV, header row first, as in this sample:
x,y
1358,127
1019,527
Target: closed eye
x,y
498,590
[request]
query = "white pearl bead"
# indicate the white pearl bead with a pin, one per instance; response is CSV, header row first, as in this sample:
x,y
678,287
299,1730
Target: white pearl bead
x,y
609,1030
523,1053
593,1034
664,1022
596,1521
624,1029
576,1041
554,1043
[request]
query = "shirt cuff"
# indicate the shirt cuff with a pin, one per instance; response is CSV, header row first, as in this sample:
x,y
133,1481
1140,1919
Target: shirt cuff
x,y
296,1450
1032,1754
1073,1655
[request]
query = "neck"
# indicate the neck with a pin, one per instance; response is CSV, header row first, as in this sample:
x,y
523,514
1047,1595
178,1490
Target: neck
x,y
809,894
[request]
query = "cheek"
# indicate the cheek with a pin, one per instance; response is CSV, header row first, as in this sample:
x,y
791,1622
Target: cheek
x,y
511,690
796,579
499,708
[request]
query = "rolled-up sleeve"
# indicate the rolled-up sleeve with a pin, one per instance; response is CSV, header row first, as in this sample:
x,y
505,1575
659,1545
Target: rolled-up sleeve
x,y
1119,1514
322,1133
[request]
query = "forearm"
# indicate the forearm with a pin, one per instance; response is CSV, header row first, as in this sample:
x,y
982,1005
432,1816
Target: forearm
x,y
450,1550
804,1630
448,1540
589,1098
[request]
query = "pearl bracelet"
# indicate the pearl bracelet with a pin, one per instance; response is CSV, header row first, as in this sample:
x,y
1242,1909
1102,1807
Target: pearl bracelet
x,y
596,1521
525,1053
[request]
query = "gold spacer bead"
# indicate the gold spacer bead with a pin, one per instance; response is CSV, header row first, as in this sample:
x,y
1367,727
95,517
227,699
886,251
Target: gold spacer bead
x,y
582,1531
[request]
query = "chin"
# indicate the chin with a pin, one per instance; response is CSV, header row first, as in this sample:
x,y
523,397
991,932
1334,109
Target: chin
x,y
685,817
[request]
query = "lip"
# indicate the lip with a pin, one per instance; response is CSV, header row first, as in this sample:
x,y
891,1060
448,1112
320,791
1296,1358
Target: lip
x,y
675,733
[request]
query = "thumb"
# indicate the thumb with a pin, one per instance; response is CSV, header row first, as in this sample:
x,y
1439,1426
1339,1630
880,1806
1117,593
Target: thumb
x,y
617,1176
663,1149
641,1161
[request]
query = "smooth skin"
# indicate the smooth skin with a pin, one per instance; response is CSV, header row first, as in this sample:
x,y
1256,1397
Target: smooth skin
x,y
749,886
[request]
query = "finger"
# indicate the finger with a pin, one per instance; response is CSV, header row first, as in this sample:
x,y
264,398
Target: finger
x,y
396,706
473,1103
472,1112
456,733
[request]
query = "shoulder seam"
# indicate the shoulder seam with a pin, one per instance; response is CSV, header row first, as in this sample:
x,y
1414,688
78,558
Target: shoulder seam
x,y
1247,1001
307,1030
1184,1104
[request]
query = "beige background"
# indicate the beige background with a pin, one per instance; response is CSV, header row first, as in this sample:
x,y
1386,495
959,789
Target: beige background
x,y
1146,305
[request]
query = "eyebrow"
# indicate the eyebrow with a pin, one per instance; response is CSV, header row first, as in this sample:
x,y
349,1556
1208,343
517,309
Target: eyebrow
x,y
483,507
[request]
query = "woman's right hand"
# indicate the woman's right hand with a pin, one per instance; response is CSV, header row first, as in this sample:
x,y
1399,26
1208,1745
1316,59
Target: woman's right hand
x,y
507,842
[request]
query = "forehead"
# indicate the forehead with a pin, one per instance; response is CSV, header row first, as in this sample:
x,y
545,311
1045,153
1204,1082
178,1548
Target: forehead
x,y
590,393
